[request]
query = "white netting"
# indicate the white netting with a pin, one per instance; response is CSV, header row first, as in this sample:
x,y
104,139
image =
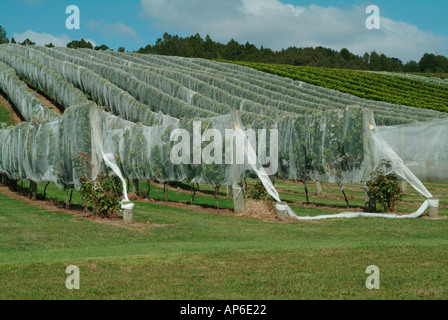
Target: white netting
x,y
53,83
105,93
321,135
422,146
28,104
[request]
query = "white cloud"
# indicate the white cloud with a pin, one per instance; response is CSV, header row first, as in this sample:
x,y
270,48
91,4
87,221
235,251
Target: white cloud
x,y
94,44
117,29
46,38
277,25
42,38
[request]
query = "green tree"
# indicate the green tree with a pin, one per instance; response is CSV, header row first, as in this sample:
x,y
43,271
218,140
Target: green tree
x,y
82,44
28,42
411,66
385,187
145,50
195,46
3,38
102,48
50,45
433,64
210,51
345,54
375,63
366,59
233,50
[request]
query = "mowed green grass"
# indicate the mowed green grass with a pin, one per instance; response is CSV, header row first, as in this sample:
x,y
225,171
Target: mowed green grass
x,y
5,116
182,254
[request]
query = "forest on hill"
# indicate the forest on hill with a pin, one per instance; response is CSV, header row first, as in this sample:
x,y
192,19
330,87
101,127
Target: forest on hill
x,y
197,47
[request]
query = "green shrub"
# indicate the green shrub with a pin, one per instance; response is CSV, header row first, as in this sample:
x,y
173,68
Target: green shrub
x,y
101,193
257,192
385,188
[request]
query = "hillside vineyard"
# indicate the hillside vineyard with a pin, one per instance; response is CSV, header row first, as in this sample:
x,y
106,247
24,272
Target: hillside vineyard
x,y
122,107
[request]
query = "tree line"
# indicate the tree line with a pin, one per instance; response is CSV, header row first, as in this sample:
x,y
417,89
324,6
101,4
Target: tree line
x,y
197,47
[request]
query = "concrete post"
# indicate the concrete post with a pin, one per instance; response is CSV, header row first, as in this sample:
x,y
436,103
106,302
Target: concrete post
x,y
127,208
433,208
282,215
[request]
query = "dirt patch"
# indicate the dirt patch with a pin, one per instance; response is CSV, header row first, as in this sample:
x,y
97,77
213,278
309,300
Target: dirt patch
x,y
325,207
264,211
36,203
45,102
438,218
133,197
260,210
55,209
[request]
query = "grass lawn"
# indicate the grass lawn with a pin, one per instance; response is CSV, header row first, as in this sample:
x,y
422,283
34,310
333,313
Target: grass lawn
x,y
5,116
174,253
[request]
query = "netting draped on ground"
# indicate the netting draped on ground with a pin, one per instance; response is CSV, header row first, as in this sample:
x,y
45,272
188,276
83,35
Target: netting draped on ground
x,y
324,149
156,102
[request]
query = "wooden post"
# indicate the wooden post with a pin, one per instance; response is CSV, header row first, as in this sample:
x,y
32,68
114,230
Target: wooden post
x,y
136,187
370,202
4,179
228,191
319,188
33,190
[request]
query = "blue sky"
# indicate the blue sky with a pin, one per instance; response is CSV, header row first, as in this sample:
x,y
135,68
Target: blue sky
x,y
408,28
